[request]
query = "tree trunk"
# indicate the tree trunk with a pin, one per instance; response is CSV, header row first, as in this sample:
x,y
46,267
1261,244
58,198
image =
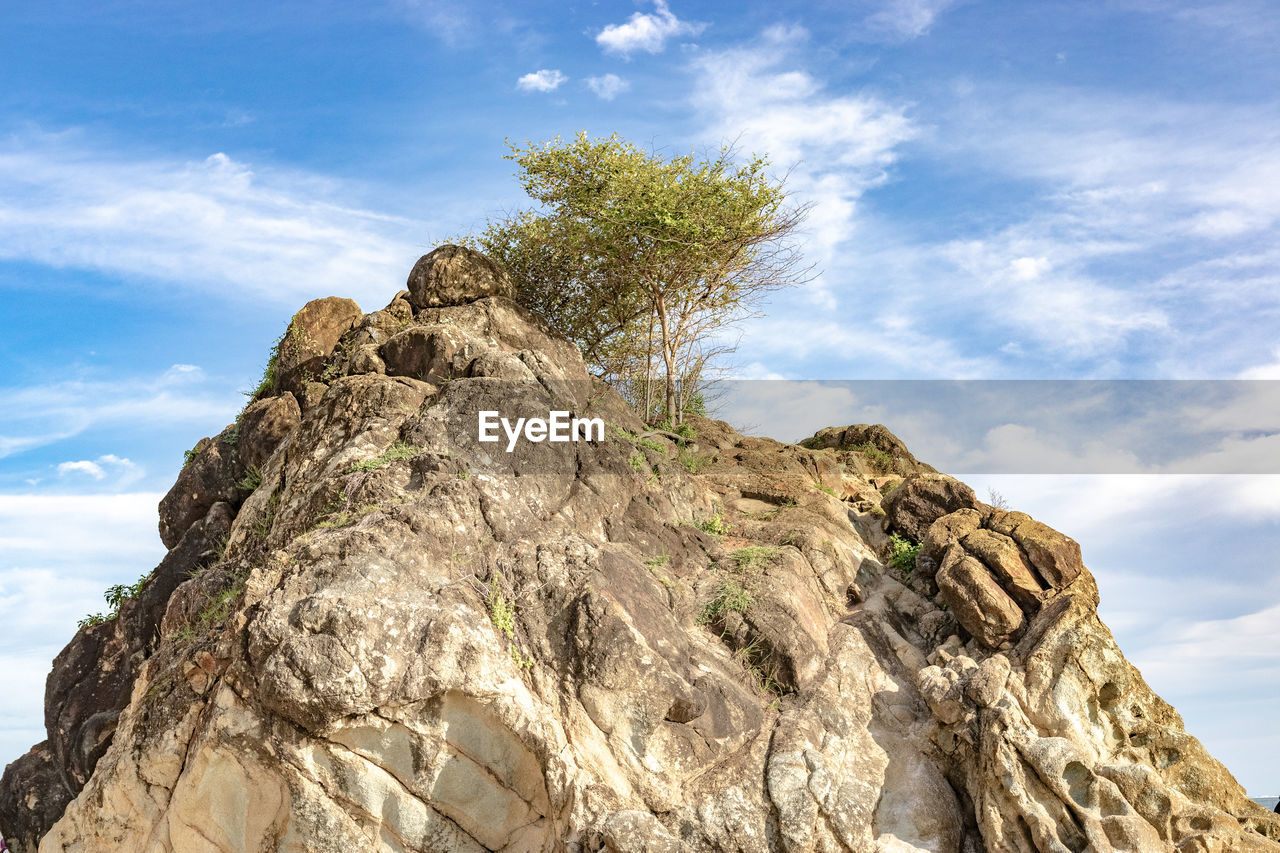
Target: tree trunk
x,y
668,358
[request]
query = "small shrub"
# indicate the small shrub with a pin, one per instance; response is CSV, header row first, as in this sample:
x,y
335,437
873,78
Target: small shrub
x,y
692,462
501,611
188,455
902,554
251,480
996,499
875,455
715,525
115,596
658,562
638,463
730,595
889,487
825,488
752,558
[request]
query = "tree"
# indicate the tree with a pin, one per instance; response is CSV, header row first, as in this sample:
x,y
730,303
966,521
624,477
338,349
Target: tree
x,y
642,260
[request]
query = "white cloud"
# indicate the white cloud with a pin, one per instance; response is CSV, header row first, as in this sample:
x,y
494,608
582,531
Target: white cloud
x,y
57,555
124,470
216,224
608,87
41,415
544,80
645,31
905,19
1264,371
93,469
836,145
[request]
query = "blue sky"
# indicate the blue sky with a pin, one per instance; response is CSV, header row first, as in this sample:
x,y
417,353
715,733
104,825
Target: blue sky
x,y
1001,190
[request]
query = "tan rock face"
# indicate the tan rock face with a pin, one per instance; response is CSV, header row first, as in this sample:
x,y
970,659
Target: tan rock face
x,y
412,641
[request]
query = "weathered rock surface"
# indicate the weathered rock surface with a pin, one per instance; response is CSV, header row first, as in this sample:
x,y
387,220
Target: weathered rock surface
x,y
455,275
410,640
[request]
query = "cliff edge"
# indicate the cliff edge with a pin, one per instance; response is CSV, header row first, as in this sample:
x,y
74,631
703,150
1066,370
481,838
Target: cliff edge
x,y
374,631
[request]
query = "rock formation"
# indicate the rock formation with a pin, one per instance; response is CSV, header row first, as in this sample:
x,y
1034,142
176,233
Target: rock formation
x,y
373,632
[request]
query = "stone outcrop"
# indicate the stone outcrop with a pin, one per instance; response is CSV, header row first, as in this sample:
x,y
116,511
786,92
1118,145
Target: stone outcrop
x,y
374,631
455,275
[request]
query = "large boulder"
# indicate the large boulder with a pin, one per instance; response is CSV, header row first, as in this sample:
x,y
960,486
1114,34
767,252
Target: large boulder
x,y
455,275
264,425
209,477
310,340
1055,556
978,602
924,498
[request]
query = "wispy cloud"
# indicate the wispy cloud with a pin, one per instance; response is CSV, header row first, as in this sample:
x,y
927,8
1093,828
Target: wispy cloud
x,y
276,236
645,31
124,471
543,80
900,20
838,145
35,416
608,86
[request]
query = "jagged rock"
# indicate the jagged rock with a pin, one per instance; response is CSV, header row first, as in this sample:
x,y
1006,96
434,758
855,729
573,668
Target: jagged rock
x,y
924,498
208,478
264,424
1008,564
33,796
860,437
416,641
977,600
310,339
1055,556
455,275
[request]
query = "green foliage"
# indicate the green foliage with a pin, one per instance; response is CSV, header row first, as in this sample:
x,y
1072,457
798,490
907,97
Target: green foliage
x,y
875,456
501,611
686,431
658,562
715,525
638,463
693,462
810,443
267,384
902,554
754,656
503,614
115,596
251,480
629,250
397,451
752,558
232,434
731,595
889,487
825,488
216,610
877,511
646,443
188,455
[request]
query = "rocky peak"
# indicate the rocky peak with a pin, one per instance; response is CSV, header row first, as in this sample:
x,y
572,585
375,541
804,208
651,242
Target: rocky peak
x,y
374,631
